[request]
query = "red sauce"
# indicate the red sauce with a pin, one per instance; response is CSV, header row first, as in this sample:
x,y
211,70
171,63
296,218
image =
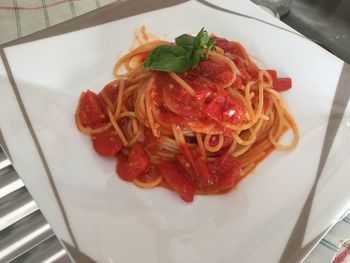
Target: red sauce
x,y
189,172
211,103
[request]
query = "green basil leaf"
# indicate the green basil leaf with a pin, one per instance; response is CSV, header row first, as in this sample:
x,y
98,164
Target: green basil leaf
x,y
201,39
185,54
210,46
168,58
196,58
185,41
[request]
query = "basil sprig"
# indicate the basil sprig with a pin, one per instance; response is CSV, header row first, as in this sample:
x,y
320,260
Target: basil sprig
x,y
184,55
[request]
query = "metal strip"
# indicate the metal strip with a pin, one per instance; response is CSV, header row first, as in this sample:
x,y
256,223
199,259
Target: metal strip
x,y
9,182
37,144
23,235
15,206
49,250
4,146
4,161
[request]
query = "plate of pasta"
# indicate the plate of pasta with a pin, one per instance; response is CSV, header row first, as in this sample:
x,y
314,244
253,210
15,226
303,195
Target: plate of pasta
x,y
193,124
179,131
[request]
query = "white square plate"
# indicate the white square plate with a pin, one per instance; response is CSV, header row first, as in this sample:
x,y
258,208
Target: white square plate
x,y
109,220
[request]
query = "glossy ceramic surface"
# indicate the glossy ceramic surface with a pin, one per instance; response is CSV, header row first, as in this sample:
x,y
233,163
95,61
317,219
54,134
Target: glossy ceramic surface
x,y
109,220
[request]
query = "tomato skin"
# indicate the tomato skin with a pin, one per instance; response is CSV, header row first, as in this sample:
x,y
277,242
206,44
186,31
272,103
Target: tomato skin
x,y
248,69
215,107
273,74
284,84
137,163
90,111
226,170
280,84
237,83
231,47
125,171
239,56
195,166
106,143
166,116
150,143
178,100
214,71
215,139
176,180
223,107
210,177
148,176
110,91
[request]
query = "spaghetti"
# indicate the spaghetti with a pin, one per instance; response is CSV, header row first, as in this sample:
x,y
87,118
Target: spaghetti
x,y
197,131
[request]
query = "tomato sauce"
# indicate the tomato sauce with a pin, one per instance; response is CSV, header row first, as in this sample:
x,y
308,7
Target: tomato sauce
x,y
189,172
211,103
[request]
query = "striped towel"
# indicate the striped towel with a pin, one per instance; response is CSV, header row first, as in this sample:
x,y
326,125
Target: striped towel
x,y
335,246
22,17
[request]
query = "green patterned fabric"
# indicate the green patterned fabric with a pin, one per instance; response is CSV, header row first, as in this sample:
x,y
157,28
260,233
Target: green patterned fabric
x,y
22,17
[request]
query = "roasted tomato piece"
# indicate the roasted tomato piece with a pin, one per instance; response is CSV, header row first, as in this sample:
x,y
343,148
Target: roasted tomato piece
x,y
280,84
106,143
138,162
90,110
176,180
226,171
178,100
222,107
195,166
109,92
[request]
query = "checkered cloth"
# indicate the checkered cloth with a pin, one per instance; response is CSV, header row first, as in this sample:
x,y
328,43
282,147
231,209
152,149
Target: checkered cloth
x,y
22,17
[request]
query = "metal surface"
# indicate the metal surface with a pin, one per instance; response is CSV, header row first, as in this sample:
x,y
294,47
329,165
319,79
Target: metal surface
x,y
278,8
25,236
4,162
9,182
327,22
16,206
48,251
